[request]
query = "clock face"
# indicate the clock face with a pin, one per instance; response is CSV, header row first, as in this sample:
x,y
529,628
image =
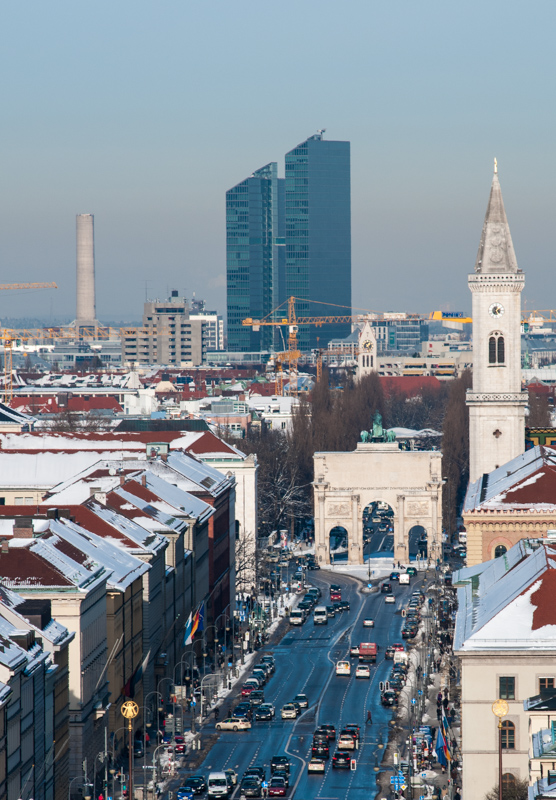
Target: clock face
x,y
367,344
496,310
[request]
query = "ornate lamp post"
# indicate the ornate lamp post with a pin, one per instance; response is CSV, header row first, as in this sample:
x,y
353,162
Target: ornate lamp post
x,y
500,708
130,710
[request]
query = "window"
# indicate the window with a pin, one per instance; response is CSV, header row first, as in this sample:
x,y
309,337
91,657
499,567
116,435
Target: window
x,y
507,688
500,551
496,349
508,782
546,683
508,735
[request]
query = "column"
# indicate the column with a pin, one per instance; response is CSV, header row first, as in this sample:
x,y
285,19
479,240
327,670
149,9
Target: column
x,y
355,551
436,543
322,542
401,550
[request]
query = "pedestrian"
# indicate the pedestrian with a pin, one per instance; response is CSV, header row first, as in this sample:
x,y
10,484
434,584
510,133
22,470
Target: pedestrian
x,y
438,698
445,703
439,713
457,795
369,717
229,712
216,713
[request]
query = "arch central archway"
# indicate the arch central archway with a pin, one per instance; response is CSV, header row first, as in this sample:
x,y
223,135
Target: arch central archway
x,y
378,520
338,544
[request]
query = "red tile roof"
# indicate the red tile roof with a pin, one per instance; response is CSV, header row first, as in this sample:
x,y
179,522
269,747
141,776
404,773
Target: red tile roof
x,y
410,385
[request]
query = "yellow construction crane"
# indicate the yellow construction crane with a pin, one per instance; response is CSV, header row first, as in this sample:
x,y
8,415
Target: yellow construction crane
x,y
4,287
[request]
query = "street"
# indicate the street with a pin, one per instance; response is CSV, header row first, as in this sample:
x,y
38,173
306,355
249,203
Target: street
x,y
305,660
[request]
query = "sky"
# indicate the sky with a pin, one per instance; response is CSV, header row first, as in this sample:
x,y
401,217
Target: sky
x,y
145,113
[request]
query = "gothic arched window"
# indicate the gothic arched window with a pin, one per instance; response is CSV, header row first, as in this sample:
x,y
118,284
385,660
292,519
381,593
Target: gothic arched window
x,y
496,348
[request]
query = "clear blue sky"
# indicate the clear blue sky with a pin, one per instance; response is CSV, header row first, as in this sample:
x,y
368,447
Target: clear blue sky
x,y
144,113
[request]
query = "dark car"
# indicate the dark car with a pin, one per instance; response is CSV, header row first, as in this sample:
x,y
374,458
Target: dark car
x,y
386,588
251,787
394,576
341,760
330,611
305,605
263,715
196,783
256,698
388,698
330,731
243,710
411,571
320,750
279,762
312,565
344,605
352,726
257,772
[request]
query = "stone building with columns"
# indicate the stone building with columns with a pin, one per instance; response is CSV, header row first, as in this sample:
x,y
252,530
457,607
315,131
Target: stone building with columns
x,y
409,481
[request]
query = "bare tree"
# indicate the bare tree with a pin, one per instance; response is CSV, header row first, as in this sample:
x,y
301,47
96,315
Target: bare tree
x,y
539,410
455,450
518,789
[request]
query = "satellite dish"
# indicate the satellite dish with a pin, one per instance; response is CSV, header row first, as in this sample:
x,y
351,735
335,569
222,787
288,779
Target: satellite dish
x,y
112,471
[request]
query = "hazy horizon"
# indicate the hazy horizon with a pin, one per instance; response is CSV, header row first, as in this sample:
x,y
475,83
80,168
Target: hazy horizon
x,y
144,115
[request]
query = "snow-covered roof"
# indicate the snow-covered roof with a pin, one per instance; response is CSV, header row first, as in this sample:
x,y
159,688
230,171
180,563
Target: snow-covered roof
x,y
44,470
203,477
128,534
528,481
54,632
510,604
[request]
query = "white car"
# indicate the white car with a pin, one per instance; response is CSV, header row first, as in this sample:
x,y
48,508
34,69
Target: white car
x,y
389,598
368,623
343,668
233,724
363,671
316,765
346,742
288,711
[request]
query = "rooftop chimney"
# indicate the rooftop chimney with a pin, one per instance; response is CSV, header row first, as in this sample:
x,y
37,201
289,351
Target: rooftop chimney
x,y
23,528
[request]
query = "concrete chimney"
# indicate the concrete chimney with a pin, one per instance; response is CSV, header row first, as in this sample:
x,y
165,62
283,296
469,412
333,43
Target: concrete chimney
x,y
86,306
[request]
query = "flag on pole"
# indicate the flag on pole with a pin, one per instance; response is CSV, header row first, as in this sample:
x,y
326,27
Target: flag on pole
x,y
194,623
444,724
188,638
442,750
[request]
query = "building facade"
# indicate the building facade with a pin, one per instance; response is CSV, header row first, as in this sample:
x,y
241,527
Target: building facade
x,y
168,336
255,255
318,235
496,402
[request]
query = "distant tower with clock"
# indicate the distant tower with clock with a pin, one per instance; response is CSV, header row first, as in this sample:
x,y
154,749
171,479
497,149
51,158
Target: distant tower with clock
x,y
496,402
366,360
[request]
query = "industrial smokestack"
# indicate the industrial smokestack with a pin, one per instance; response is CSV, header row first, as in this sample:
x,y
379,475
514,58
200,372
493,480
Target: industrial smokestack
x,y
86,307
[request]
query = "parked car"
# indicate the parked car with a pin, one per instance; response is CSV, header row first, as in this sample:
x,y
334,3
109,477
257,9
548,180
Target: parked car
x,y
233,724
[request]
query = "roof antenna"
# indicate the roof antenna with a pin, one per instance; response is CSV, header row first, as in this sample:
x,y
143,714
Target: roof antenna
x,y
495,166
321,132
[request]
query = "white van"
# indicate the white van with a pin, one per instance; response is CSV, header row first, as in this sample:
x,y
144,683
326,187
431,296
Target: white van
x,y
297,617
320,615
404,579
218,785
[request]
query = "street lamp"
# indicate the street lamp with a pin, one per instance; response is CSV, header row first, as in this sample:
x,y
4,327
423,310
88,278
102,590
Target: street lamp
x,y
500,708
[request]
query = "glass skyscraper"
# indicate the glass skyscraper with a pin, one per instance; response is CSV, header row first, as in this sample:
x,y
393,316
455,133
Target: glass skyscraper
x,y
255,256
318,235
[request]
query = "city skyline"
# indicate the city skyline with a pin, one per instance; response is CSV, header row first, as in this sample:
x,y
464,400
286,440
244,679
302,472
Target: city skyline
x,y
145,117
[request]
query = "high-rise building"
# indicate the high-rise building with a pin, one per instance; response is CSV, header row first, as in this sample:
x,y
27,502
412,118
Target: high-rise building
x,y
318,235
255,255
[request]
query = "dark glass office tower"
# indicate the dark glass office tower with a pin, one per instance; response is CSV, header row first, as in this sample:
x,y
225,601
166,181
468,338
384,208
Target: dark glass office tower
x,y
318,235
255,256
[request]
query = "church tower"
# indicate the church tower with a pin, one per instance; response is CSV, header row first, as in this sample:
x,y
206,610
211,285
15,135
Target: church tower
x,y
496,402
366,360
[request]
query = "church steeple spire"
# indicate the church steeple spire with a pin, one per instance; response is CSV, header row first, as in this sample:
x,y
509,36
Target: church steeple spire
x,y
496,251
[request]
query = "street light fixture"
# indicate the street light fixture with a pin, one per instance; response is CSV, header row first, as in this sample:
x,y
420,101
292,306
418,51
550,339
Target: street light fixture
x,y
500,708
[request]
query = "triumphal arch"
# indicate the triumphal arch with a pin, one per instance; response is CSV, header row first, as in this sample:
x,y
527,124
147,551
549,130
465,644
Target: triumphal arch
x,y
409,481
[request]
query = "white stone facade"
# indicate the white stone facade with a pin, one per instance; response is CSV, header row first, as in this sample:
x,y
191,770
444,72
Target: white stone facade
x,y
410,481
496,402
